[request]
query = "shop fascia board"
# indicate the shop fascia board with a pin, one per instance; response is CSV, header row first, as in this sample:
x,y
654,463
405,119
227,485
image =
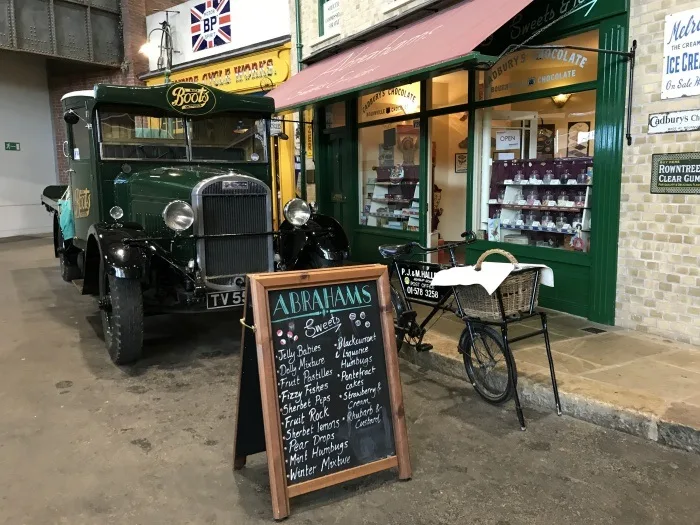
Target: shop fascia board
x,y
236,53
469,61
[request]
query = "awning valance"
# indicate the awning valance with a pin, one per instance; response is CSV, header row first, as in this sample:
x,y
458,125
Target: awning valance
x,y
445,37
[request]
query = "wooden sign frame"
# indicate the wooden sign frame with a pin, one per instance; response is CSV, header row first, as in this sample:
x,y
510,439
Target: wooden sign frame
x,y
249,419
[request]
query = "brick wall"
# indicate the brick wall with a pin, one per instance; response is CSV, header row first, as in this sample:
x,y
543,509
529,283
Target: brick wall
x,y
61,82
354,17
658,288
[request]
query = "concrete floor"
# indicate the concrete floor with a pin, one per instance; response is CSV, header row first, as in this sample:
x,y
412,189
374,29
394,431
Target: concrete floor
x,y
82,442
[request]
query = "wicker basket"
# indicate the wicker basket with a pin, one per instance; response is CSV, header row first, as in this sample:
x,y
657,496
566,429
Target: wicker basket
x,y
520,292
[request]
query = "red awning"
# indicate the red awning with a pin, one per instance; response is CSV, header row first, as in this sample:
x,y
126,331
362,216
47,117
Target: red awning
x,y
443,37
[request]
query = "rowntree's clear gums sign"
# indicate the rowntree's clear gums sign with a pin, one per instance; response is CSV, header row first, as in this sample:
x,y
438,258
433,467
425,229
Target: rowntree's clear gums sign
x,y
681,69
675,173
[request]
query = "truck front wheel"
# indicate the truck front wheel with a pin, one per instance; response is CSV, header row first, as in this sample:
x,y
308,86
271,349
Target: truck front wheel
x,y
121,302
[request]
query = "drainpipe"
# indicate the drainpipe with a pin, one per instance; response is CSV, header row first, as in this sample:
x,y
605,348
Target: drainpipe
x,y
302,125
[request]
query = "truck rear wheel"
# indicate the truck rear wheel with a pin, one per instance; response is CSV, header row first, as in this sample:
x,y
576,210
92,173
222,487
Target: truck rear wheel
x,y
121,302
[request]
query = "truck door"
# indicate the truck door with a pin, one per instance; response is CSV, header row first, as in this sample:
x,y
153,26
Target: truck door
x,y
83,183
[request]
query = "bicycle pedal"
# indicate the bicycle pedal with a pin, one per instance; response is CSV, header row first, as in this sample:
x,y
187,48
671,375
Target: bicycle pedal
x,y
424,347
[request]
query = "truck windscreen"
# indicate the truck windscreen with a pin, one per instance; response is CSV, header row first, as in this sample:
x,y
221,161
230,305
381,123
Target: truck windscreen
x,y
228,138
142,134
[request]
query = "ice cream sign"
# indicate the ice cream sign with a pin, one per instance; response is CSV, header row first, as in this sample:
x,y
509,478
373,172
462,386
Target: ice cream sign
x,y
681,77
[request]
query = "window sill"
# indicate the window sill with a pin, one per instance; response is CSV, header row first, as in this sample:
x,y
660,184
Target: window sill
x,y
397,5
323,39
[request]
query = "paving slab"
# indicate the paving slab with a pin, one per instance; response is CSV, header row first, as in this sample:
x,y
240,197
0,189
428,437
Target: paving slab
x,y
621,379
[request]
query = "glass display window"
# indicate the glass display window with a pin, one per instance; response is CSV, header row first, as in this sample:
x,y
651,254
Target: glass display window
x,y
450,89
390,102
534,172
389,156
335,115
532,70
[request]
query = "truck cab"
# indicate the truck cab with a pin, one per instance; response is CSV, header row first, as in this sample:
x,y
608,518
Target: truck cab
x,y
169,206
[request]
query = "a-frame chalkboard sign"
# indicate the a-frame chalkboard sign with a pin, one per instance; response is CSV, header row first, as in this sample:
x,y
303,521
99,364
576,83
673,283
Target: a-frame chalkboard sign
x,y
319,386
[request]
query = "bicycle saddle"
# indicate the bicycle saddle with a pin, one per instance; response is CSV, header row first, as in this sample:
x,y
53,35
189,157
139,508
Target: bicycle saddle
x,y
393,250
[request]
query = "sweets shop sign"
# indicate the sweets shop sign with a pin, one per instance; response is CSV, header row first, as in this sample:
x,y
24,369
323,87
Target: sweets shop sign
x,y
676,173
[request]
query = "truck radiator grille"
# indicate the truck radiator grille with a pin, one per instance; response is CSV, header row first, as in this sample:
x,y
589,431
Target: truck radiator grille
x,y
236,204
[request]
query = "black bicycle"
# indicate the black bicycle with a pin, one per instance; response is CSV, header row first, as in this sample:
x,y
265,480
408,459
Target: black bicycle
x,y
489,366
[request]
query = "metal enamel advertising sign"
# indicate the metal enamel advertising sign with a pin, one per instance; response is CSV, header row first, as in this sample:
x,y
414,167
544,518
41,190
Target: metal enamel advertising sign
x,y
681,69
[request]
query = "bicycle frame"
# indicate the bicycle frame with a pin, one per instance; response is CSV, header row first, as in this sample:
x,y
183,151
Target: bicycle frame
x,y
396,269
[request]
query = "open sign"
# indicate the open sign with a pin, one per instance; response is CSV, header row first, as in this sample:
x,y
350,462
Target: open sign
x,y
507,140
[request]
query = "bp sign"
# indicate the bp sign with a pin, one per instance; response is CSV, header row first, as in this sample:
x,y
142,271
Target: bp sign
x,y
675,173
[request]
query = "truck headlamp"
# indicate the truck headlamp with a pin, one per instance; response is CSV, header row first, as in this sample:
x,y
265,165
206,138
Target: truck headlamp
x,y
297,211
178,216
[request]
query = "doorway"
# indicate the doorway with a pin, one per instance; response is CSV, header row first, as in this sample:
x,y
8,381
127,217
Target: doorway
x,y
339,193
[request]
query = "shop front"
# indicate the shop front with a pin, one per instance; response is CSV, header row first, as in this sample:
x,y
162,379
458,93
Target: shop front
x,y
422,135
248,74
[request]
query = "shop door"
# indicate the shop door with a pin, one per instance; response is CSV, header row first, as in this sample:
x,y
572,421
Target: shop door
x,y
340,178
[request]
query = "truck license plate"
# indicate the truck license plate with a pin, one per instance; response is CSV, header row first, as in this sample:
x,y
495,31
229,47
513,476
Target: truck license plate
x,y
224,299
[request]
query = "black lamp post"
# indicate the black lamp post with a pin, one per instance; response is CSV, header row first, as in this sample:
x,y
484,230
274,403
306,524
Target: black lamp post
x,y
165,47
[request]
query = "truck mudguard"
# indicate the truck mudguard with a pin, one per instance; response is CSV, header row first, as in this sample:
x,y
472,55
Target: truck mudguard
x,y
106,244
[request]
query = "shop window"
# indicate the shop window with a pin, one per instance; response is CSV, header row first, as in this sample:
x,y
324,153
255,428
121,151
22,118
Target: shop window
x,y
448,134
328,18
531,70
335,115
534,172
391,102
389,175
449,90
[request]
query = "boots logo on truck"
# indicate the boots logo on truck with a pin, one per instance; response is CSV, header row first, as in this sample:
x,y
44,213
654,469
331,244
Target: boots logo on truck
x,y
191,99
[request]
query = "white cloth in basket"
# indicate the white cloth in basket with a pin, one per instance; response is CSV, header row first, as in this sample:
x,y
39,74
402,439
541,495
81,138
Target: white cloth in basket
x,y
491,276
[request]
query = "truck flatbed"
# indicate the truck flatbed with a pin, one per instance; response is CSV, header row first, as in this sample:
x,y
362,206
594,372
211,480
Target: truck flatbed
x,y
51,195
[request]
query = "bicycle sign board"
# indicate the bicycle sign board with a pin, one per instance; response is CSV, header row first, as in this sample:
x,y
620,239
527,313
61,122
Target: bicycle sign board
x,y
416,279
319,385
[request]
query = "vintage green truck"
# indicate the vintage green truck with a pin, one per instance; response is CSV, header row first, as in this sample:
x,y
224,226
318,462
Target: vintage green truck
x,y
169,205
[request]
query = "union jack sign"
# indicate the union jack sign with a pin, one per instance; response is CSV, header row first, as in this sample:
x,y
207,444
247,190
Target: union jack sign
x,y
210,24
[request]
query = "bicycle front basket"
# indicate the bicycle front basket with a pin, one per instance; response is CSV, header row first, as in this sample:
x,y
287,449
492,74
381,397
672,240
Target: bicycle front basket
x,y
520,292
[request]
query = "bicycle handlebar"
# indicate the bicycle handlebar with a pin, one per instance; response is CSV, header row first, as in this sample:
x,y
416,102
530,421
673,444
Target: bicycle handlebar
x,y
469,236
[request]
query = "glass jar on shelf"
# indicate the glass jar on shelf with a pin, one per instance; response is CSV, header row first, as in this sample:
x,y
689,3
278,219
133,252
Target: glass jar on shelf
x,y
501,196
580,199
547,177
547,198
561,220
497,214
531,197
534,175
530,218
518,218
563,198
518,177
565,176
577,221
582,178
547,220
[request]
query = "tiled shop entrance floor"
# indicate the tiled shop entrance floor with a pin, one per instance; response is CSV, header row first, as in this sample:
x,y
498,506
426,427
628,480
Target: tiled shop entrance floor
x,y
626,369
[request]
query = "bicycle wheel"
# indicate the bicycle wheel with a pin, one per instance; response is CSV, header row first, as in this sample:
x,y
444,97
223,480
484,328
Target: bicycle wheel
x,y
398,306
486,363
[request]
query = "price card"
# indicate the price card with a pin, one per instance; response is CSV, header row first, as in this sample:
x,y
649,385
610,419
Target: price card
x,y
522,202
569,204
493,201
551,203
519,223
508,182
537,203
555,182
572,182
535,224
